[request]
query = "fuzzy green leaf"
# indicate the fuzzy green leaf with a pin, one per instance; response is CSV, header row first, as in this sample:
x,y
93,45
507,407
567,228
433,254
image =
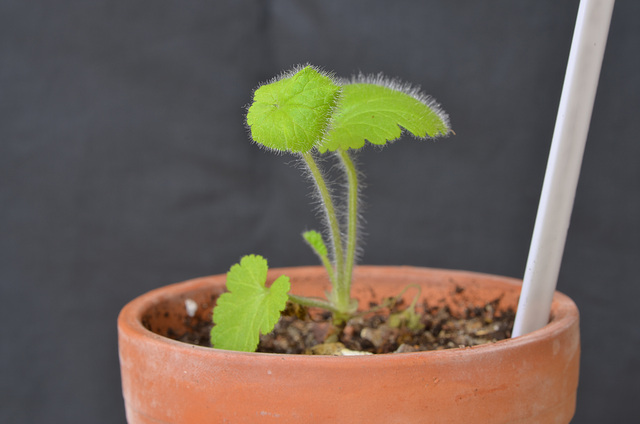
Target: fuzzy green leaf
x,y
376,112
314,239
249,308
292,114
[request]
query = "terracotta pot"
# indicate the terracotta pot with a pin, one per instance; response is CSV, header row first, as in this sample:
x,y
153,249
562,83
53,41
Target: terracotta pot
x,y
530,379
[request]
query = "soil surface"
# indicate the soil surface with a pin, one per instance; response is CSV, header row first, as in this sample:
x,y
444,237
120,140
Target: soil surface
x,y
391,328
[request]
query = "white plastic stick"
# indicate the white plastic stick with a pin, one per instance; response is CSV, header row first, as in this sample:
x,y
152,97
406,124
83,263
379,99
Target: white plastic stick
x,y
563,167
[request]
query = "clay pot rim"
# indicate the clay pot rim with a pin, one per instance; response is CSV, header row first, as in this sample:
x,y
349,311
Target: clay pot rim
x,y
564,315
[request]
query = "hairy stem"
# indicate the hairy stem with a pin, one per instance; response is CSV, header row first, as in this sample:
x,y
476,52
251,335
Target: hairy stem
x,y
340,295
352,215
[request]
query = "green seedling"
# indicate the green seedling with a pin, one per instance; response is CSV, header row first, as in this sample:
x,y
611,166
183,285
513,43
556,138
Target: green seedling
x,y
308,113
408,317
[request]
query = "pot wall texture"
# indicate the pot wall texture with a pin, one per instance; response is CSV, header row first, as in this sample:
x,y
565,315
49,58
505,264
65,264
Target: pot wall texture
x,y
125,166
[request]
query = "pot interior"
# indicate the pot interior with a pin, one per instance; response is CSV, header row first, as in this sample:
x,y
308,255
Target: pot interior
x,y
186,311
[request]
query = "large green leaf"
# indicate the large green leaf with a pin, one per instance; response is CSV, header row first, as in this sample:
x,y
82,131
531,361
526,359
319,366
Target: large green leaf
x,y
249,308
377,113
292,113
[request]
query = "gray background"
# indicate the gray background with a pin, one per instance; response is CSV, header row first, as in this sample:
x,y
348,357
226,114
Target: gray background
x,y
125,165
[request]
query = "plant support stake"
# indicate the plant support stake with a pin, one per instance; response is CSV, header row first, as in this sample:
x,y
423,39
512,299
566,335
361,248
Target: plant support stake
x,y
563,167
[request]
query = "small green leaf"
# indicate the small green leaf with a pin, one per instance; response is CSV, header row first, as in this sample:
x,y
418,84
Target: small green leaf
x,y
376,112
314,239
292,114
249,308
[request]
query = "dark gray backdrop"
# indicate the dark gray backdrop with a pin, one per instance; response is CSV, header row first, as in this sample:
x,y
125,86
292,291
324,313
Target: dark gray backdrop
x,y
124,165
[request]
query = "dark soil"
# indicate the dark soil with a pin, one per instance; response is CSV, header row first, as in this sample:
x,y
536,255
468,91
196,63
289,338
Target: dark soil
x,y
302,331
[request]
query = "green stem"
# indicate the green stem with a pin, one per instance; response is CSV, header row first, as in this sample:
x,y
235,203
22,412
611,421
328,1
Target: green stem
x,y
321,252
415,298
330,271
352,216
312,302
340,295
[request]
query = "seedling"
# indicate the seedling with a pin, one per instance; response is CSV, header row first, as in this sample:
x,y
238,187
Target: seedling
x,y
307,112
